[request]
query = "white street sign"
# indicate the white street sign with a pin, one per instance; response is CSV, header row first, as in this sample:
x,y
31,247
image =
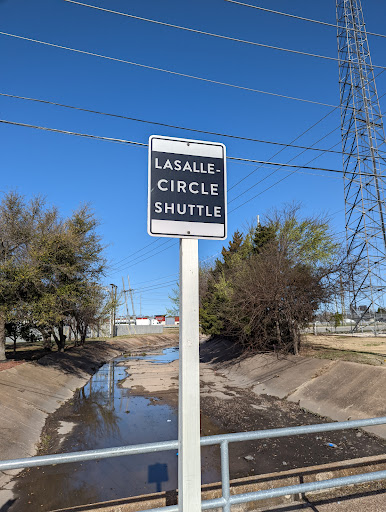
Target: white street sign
x,y
187,188
187,200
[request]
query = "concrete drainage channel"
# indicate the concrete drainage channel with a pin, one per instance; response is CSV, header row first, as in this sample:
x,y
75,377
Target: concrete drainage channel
x,y
116,408
107,412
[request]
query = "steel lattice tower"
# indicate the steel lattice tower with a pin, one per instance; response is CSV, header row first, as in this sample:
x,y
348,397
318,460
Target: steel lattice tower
x,y
363,142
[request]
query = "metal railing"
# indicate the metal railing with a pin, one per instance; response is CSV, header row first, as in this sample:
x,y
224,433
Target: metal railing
x,y
226,500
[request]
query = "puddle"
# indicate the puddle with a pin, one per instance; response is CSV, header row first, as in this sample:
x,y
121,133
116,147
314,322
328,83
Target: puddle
x,y
107,415
168,356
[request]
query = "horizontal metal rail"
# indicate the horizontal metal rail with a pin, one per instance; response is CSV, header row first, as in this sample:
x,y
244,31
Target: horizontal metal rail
x,y
291,431
64,458
227,500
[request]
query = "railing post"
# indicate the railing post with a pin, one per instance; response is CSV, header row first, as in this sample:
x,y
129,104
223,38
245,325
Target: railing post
x,y
225,484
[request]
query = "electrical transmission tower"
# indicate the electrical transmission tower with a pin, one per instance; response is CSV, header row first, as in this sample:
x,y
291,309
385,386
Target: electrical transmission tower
x,y
364,164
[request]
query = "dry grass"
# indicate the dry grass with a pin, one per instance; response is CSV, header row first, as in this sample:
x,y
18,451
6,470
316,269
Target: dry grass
x,y
358,349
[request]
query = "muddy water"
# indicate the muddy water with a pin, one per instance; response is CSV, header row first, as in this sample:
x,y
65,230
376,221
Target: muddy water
x,y
105,415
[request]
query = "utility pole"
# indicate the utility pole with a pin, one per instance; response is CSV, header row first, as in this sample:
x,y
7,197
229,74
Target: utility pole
x,y
130,290
127,307
363,144
342,300
113,309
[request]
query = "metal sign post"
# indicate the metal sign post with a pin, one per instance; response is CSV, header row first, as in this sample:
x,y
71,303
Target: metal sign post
x,y
187,200
189,456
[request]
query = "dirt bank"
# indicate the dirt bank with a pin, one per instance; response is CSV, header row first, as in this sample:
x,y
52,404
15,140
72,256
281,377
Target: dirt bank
x,y
358,348
33,390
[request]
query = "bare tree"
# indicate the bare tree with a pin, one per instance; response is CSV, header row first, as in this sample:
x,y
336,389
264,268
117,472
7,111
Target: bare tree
x,y
271,282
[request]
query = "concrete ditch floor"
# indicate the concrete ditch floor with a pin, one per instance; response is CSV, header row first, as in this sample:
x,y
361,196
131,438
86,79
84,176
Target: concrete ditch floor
x,y
370,497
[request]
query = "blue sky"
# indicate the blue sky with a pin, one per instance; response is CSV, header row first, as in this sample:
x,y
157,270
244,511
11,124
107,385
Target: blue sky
x,y
112,177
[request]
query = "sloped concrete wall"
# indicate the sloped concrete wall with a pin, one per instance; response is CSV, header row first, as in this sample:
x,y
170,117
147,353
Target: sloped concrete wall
x,y
338,390
124,330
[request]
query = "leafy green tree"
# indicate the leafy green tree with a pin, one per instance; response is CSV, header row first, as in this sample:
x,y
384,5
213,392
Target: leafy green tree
x,y
239,248
174,298
49,268
263,235
92,308
308,240
69,262
270,283
16,330
216,295
214,307
18,222
338,319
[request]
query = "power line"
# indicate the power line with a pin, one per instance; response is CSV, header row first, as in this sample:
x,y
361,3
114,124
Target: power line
x,y
285,170
211,34
169,247
268,188
175,73
285,177
176,273
144,259
236,159
278,152
206,132
277,164
282,179
156,286
285,145
135,252
143,144
298,172
119,268
298,17
153,280
273,172
66,132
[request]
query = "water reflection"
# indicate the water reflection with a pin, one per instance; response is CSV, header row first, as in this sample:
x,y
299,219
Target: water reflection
x,y
108,415
158,473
